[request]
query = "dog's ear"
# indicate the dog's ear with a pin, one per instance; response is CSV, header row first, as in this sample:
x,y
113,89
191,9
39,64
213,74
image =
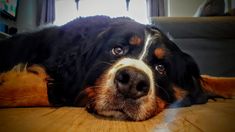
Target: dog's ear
x,y
186,75
198,96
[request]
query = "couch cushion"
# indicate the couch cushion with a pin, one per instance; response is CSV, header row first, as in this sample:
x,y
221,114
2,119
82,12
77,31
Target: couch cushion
x,y
214,57
197,27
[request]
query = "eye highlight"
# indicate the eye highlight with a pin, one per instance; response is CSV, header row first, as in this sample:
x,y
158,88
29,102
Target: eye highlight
x,y
160,69
118,51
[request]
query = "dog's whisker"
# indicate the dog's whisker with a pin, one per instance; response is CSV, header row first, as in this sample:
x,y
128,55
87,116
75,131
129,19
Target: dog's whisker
x,y
106,63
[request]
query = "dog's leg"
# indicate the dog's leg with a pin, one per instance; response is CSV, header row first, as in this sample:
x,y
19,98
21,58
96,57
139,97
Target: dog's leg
x,y
22,86
219,86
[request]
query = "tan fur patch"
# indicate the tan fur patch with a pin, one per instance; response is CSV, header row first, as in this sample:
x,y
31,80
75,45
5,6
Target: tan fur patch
x,y
135,40
160,53
222,86
24,86
161,105
179,92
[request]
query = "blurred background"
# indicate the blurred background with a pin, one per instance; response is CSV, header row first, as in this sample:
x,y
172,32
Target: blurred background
x,y
25,15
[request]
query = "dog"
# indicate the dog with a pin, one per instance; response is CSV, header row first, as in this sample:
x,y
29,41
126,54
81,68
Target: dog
x,y
112,66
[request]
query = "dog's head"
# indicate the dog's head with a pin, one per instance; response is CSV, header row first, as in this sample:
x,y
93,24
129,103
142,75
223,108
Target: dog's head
x,y
134,70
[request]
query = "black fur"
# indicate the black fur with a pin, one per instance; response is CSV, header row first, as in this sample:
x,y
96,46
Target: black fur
x,y
77,53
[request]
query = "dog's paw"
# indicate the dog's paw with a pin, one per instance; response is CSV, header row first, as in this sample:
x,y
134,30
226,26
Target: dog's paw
x,y
23,86
219,86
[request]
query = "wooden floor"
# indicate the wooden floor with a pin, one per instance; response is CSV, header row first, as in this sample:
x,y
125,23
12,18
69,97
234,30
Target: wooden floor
x,y
216,116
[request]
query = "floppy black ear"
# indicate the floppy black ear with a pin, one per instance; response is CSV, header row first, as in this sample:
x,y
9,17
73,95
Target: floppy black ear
x,y
185,74
196,94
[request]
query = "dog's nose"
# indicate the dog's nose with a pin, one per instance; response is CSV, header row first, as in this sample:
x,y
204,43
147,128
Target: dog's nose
x,y
131,82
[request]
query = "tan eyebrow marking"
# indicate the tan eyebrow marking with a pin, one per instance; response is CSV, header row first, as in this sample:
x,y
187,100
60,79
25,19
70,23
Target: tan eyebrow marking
x,y
160,53
135,40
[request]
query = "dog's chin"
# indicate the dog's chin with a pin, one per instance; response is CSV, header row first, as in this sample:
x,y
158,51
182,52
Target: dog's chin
x,y
116,114
107,102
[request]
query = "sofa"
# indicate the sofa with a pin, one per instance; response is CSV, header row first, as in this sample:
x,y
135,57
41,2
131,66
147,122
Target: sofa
x,y
210,40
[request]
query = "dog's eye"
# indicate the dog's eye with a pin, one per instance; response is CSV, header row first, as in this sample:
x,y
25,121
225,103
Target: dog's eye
x,y
117,51
160,68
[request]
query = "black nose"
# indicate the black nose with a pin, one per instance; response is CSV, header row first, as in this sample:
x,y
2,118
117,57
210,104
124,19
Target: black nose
x,y
132,83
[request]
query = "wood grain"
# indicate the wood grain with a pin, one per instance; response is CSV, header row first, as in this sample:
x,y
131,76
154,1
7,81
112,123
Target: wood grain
x,y
214,116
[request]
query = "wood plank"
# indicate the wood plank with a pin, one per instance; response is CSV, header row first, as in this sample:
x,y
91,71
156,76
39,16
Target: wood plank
x,y
216,116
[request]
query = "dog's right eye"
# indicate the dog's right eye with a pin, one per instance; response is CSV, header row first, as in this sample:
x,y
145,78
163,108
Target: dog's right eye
x,y
118,51
161,69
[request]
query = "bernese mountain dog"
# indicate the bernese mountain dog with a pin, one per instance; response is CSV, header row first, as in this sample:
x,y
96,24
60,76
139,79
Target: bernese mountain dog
x,y
112,66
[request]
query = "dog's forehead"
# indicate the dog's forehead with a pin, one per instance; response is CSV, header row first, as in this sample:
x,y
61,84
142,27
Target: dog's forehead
x,y
152,37
145,37
136,32
129,27
133,33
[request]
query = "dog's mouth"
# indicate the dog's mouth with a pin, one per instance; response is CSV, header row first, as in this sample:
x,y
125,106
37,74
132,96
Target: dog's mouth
x,y
108,102
118,107
117,113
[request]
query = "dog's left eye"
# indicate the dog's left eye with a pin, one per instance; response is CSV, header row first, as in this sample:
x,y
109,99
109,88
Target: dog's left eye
x,y
160,68
118,51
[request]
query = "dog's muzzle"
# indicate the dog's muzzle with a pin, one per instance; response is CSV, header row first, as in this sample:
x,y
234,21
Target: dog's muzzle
x,y
125,91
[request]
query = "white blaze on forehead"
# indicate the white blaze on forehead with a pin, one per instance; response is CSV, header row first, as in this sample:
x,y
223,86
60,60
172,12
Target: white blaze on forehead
x,y
146,46
148,41
138,64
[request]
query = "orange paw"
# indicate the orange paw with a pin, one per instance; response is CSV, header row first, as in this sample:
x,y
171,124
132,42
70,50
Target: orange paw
x,y
222,86
23,86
